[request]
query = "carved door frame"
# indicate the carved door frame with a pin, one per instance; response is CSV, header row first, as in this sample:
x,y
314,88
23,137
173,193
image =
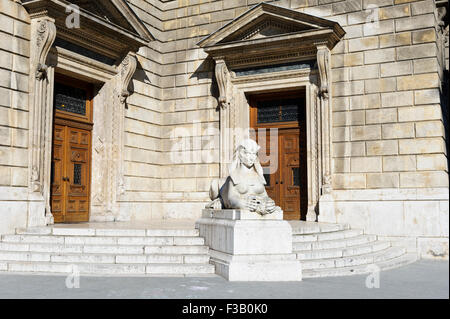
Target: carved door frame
x,y
238,121
45,61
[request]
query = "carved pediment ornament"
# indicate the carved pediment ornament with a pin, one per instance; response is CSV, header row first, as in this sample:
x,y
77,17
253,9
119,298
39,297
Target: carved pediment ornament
x,y
46,34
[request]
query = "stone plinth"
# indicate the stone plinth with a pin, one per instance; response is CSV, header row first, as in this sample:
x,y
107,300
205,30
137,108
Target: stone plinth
x,y
245,246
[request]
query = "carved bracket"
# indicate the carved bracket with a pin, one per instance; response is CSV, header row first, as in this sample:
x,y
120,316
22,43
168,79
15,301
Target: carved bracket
x,y
323,63
45,36
129,65
223,82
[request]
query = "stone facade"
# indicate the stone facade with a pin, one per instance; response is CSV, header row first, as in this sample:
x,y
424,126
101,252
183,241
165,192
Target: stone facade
x,y
389,171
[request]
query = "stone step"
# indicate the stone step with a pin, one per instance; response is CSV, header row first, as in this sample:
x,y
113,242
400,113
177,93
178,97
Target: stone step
x,y
111,269
343,252
348,233
336,243
67,231
396,262
103,240
304,228
380,256
103,258
105,249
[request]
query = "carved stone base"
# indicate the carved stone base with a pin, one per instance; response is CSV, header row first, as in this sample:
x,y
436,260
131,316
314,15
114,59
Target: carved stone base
x,y
245,246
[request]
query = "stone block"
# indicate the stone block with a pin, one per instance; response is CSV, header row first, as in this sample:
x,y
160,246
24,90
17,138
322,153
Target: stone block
x,y
341,165
422,145
419,113
341,134
415,22
340,104
422,7
247,246
349,181
367,101
426,65
399,163
396,68
378,27
419,81
349,149
394,99
388,147
346,6
429,129
380,85
349,59
427,96
368,132
364,72
340,75
353,31
398,11
367,4
383,180
5,175
416,51
397,130
366,164
381,116
348,118
424,36
379,56
432,162
348,88
395,40
363,44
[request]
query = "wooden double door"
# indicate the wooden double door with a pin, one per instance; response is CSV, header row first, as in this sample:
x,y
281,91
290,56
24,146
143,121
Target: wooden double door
x,y
286,171
71,157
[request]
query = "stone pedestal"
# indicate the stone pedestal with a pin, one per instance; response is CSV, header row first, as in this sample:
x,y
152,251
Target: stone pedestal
x,y
245,246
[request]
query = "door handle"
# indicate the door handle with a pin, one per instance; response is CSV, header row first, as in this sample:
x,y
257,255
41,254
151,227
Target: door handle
x,y
276,182
281,182
66,179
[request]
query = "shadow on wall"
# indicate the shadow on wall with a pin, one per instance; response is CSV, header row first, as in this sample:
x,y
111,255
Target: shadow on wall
x,y
205,71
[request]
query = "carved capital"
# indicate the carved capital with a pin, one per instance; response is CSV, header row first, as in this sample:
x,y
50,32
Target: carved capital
x,y
323,63
128,69
223,82
44,37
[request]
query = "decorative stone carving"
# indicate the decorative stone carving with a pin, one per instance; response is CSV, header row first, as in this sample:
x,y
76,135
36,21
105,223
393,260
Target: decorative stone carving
x,y
244,188
43,36
323,63
223,82
46,34
129,65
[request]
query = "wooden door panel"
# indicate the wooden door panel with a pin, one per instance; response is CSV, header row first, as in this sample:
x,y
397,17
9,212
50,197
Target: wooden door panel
x,y
71,174
289,162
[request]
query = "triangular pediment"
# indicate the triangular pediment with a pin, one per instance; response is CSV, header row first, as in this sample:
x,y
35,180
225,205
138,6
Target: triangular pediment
x,y
116,13
267,21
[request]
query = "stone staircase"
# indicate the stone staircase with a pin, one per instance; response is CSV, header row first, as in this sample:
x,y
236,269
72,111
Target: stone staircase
x,y
102,251
325,250
328,250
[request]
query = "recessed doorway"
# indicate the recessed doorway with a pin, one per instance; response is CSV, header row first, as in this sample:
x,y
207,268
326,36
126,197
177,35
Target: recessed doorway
x,y
71,150
286,172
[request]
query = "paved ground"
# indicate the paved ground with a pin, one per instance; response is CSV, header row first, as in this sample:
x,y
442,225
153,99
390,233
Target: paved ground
x,y
423,279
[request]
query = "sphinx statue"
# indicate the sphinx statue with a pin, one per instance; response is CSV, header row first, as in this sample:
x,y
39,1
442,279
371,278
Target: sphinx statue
x,y
244,188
